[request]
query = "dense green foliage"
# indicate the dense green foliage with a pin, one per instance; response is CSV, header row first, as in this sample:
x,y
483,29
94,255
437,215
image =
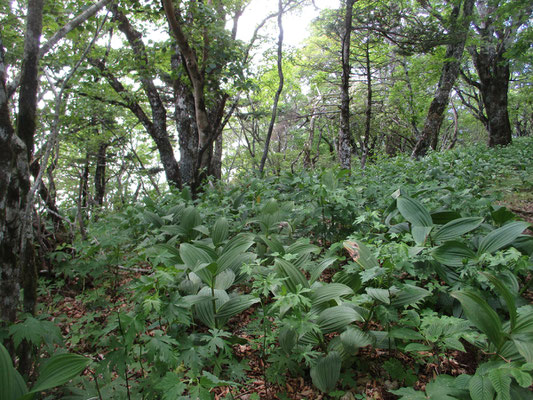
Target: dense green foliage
x,y
412,258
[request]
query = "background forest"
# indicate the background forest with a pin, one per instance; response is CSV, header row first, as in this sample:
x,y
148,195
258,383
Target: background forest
x,y
192,212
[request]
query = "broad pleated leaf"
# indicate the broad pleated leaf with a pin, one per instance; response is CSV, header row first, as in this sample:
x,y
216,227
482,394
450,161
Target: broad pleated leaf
x,y
405,334
220,231
326,372
336,319
443,217
361,254
301,247
481,315
453,254
456,228
12,385
409,295
420,233
480,388
353,338
192,255
382,295
330,291
501,237
414,212
225,279
287,339
524,345
58,370
321,267
294,276
234,306
509,298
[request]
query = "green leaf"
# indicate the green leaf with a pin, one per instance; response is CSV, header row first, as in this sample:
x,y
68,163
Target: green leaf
x,y
293,274
405,334
12,385
220,231
501,237
353,338
382,295
58,370
326,372
235,306
330,291
336,319
509,298
443,217
481,315
417,347
524,345
443,388
456,228
480,388
287,339
420,233
409,295
501,382
414,212
361,254
192,255
453,254
320,267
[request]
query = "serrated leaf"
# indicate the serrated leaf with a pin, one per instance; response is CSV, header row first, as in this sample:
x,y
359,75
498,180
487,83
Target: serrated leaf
x,y
501,382
480,388
456,228
522,378
417,347
501,237
481,315
453,254
326,372
414,212
405,334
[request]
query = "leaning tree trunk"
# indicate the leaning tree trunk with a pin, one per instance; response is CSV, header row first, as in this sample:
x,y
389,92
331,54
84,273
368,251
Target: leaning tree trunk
x,y
344,148
449,74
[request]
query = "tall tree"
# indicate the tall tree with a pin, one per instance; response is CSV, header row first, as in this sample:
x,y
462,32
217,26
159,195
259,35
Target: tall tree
x,y
17,261
497,28
458,25
344,146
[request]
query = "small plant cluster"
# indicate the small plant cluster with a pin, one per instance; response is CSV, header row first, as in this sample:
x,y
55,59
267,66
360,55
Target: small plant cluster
x,y
311,276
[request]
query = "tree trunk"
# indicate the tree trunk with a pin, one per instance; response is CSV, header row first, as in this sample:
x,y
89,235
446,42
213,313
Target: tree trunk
x,y
344,148
99,174
368,111
17,259
278,92
450,72
493,71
